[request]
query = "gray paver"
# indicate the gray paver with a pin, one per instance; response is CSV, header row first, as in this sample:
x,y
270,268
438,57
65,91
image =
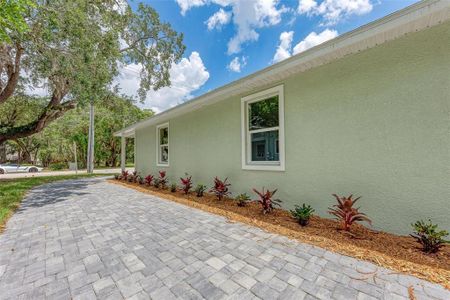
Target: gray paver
x,y
88,239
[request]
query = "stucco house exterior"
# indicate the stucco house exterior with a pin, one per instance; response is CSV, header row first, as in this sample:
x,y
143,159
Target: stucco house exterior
x,y
367,113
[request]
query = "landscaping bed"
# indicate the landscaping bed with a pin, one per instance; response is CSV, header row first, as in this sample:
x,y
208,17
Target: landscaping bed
x,y
400,253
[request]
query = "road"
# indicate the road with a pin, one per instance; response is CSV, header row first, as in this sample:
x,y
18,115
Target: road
x,y
57,173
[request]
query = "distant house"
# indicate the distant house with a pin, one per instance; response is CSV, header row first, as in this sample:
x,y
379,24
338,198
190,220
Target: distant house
x,y
365,113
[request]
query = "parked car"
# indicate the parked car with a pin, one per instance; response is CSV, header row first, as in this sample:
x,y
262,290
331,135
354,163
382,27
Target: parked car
x,y
15,168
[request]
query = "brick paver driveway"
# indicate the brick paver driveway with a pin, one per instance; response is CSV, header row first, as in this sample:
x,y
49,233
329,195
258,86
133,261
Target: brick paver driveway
x,y
90,239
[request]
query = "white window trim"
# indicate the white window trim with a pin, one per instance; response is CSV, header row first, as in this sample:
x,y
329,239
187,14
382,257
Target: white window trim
x,y
263,166
158,146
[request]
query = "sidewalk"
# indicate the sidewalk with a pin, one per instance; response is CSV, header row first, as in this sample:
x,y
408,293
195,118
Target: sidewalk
x,y
58,173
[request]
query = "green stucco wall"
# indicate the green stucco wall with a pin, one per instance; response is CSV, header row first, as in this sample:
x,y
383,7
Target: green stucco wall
x,y
375,124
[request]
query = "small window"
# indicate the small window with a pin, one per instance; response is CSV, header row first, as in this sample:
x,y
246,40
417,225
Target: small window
x,y
263,130
162,136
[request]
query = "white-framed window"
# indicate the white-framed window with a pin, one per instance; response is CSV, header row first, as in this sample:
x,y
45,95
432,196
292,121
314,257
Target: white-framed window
x,y
162,145
262,124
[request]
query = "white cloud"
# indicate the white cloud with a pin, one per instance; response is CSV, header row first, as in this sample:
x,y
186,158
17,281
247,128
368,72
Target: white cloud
x,y
237,64
285,50
247,16
218,19
333,11
186,77
185,5
285,46
314,39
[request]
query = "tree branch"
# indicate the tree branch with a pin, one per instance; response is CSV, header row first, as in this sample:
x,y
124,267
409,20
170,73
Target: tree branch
x,y
13,75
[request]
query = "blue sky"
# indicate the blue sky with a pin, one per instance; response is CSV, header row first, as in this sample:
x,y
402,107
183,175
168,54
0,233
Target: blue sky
x,y
252,34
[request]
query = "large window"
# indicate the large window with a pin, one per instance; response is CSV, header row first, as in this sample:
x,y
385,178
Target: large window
x,y
263,130
162,136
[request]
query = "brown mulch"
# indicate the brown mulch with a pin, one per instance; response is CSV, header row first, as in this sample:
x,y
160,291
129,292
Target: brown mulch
x,y
399,253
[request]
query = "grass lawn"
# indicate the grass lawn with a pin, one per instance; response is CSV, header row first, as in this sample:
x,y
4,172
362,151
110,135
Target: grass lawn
x,y
12,191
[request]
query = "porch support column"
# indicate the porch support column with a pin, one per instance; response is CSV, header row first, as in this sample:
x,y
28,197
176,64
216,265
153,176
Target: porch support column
x,y
122,153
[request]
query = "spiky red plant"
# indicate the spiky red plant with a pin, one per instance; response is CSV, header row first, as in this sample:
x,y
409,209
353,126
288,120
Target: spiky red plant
x,y
149,179
346,213
162,179
266,200
186,183
124,175
220,188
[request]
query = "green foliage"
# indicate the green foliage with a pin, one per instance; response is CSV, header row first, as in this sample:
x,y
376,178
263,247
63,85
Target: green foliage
x,y
200,190
156,183
58,166
76,49
173,187
302,213
428,235
12,18
242,199
55,143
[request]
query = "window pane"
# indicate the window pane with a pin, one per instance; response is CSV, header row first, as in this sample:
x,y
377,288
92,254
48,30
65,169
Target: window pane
x,y
164,136
164,154
264,146
263,114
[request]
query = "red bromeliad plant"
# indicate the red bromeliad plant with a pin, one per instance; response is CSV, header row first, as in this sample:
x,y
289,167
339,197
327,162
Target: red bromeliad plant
x,y
186,183
346,213
149,179
162,179
220,188
266,200
124,175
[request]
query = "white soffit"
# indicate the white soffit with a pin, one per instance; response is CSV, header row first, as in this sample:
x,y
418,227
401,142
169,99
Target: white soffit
x,y
414,18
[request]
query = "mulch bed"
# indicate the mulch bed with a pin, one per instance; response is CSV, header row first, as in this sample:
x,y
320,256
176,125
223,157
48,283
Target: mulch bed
x,y
399,253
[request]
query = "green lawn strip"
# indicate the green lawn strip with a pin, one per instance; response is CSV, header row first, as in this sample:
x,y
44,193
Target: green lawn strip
x,y
12,191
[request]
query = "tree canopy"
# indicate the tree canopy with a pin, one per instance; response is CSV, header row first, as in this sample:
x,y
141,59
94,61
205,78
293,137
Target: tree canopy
x,y
74,49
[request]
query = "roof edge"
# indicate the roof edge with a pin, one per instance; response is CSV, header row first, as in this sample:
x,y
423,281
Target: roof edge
x,y
413,18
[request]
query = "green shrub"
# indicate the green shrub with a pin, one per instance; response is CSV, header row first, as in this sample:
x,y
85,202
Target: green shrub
x,y
58,166
302,213
156,183
242,199
200,190
173,187
428,235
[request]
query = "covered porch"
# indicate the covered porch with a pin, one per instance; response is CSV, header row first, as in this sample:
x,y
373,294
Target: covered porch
x,y
125,135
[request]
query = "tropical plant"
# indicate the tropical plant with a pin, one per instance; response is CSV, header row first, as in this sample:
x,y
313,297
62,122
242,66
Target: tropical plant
x,y
200,190
266,200
162,179
346,213
242,199
186,183
220,188
116,176
124,175
148,179
173,187
139,179
428,235
302,213
156,183
76,48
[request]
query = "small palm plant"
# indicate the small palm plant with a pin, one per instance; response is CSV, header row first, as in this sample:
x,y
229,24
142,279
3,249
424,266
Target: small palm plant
x,y
200,190
302,213
346,213
266,200
242,199
428,235
173,187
